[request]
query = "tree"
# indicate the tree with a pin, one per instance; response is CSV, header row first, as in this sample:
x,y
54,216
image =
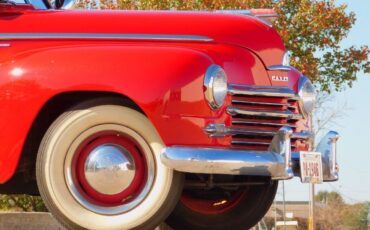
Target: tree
x,y
357,217
334,213
327,198
311,30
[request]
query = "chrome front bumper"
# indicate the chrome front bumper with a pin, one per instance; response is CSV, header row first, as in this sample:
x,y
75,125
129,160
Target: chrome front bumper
x,y
278,162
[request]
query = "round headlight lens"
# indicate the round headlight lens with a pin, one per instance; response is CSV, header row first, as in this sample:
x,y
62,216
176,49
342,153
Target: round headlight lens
x,y
286,59
215,83
307,94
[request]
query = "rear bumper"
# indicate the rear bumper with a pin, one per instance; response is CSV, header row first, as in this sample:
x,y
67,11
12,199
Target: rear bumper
x,y
278,162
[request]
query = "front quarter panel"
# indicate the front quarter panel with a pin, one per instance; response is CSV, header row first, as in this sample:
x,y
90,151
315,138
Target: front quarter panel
x,y
152,76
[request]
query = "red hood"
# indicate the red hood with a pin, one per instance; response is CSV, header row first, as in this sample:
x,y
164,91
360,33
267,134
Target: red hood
x,y
239,30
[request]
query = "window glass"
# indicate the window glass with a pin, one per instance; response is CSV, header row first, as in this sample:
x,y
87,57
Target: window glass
x,y
19,1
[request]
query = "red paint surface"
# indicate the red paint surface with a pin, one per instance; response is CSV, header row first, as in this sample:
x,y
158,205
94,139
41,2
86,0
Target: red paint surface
x,y
165,79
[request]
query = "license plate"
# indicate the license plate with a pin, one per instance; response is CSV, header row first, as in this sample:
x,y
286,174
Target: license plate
x,y
311,167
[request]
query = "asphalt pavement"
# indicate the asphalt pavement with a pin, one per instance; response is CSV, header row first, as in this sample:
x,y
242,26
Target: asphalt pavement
x,y
35,221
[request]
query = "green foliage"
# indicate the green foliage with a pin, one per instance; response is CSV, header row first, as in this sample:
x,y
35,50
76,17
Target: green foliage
x,y
21,203
332,212
326,197
357,216
311,30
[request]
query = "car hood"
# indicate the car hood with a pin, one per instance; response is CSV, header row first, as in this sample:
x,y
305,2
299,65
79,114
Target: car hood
x,y
239,30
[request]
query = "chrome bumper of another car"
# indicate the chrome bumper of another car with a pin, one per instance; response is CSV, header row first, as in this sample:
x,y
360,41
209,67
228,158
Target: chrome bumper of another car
x,y
278,162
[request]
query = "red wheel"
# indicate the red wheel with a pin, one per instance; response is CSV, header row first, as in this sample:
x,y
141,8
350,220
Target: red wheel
x,y
213,205
110,169
237,207
99,167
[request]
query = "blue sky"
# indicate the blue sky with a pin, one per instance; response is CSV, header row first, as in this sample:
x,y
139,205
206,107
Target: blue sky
x,y
354,126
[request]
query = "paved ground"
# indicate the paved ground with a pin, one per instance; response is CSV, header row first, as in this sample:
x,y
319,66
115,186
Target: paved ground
x,y
28,221
34,221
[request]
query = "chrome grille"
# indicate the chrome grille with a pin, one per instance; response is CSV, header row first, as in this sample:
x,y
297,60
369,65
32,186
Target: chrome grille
x,y
258,112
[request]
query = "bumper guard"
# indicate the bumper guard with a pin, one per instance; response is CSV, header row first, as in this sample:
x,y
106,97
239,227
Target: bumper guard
x,y
278,162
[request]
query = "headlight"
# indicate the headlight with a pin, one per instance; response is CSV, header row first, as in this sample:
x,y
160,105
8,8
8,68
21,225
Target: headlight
x,y
286,59
215,83
307,94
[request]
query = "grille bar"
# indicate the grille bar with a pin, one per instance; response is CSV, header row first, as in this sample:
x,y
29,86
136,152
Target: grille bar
x,y
259,103
239,131
246,122
257,114
265,91
241,142
263,113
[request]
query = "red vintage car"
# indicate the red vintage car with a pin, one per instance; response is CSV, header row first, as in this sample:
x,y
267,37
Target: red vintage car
x,y
125,119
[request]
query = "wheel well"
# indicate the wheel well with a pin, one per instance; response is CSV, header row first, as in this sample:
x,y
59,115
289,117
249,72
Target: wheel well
x,y
25,179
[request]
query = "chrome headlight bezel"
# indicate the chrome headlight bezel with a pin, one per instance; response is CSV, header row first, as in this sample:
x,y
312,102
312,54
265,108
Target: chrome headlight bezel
x,y
215,84
307,96
286,59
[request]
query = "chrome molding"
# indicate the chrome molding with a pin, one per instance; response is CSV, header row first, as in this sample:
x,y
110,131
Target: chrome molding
x,y
301,82
109,169
266,91
208,84
275,163
108,36
278,161
245,122
74,187
283,114
241,12
328,149
281,144
259,103
223,161
5,45
220,130
241,142
279,68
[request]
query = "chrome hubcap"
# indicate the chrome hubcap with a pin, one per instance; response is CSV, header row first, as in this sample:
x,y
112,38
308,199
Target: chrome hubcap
x,y
109,169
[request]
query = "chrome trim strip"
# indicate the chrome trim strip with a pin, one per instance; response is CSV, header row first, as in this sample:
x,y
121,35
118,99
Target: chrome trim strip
x,y
5,45
221,130
266,91
103,36
267,15
259,103
241,12
275,163
244,122
279,68
240,142
282,114
223,161
239,131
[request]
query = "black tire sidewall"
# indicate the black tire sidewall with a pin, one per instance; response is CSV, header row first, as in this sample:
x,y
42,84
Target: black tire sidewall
x,y
244,216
